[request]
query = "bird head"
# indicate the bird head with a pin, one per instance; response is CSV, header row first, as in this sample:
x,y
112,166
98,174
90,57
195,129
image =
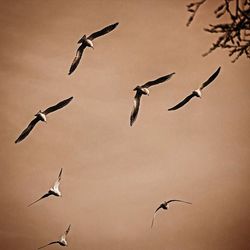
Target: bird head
x,y
137,88
38,113
83,39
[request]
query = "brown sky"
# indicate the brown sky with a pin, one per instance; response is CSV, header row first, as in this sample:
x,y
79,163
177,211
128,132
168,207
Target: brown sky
x,y
115,176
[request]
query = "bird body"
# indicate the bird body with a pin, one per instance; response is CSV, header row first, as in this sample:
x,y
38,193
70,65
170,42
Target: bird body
x,y
63,241
142,91
41,115
86,42
165,205
55,191
197,93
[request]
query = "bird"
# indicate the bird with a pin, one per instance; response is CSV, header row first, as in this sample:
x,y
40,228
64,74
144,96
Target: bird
x,y
197,92
54,190
143,90
41,116
87,42
61,242
165,206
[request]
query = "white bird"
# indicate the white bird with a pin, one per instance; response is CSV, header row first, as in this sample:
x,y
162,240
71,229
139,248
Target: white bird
x,y
61,242
196,92
41,116
143,90
87,42
54,190
165,206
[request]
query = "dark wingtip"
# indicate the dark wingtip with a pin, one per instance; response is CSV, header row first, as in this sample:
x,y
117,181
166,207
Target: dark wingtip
x,y
172,74
219,68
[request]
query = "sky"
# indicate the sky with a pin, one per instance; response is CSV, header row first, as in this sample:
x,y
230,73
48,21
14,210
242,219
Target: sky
x,y
115,176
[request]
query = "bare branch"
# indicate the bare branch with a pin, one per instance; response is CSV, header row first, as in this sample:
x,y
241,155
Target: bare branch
x,y
234,35
193,8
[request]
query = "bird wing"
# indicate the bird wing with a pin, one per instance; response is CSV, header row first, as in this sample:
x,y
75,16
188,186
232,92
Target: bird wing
x,y
136,107
77,58
57,183
28,129
53,242
178,201
58,106
157,81
66,232
152,223
102,31
210,79
44,196
183,102
68,229
155,215
60,174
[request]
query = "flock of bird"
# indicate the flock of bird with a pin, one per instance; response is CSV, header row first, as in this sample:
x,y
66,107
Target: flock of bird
x,y
140,91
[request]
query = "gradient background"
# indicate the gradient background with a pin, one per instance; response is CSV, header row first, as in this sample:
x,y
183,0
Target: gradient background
x,y
115,176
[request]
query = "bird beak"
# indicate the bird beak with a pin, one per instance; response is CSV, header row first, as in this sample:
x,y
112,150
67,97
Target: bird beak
x,y
92,47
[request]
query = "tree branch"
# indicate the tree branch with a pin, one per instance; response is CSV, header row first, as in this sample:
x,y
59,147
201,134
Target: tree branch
x,y
234,35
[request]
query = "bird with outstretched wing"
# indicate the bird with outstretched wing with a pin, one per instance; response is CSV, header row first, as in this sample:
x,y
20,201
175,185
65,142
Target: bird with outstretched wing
x,y
165,206
41,116
87,42
143,90
197,92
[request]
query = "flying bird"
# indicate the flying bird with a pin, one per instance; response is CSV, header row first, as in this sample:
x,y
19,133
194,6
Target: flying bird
x,y
41,116
61,242
196,92
54,190
87,42
143,90
165,206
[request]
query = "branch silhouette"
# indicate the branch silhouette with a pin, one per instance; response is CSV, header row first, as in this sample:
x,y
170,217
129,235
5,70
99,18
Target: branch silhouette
x,y
232,35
